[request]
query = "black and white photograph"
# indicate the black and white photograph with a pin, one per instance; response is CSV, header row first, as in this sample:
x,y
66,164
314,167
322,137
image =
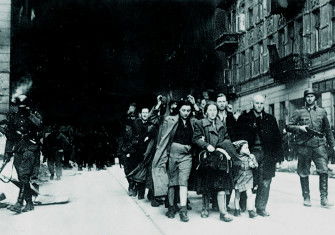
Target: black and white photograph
x,y
167,117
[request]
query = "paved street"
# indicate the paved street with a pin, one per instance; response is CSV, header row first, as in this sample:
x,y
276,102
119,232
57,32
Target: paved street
x,y
100,205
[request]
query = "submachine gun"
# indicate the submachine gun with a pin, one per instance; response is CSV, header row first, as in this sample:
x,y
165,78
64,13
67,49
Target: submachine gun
x,y
315,133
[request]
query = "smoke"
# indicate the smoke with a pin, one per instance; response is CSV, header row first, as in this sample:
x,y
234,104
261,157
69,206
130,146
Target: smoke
x,y
22,87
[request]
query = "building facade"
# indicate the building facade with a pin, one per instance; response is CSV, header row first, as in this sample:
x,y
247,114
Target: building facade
x,y
5,19
277,48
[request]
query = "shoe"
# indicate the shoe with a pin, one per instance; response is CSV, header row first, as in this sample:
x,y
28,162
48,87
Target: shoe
x,y
2,196
237,212
229,210
171,212
225,218
263,213
17,207
150,196
58,178
29,207
132,192
325,203
3,205
140,197
155,203
204,213
307,202
252,214
183,214
52,177
304,182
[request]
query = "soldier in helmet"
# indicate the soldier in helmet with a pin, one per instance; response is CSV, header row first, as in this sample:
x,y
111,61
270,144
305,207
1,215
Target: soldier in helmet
x,y
311,127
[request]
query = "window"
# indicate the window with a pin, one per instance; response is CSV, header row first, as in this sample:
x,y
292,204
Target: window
x,y
260,11
281,42
251,16
272,109
242,68
291,38
299,47
251,61
256,56
316,20
261,57
233,21
283,111
241,17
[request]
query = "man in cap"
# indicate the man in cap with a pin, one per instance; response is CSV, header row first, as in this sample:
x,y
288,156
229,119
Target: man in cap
x,y
311,127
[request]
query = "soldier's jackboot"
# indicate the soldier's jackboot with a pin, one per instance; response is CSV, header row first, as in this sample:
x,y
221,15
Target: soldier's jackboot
x,y
323,185
304,182
17,207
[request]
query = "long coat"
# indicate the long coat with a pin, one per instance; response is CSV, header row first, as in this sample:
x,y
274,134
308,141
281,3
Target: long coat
x,y
270,137
165,136
205,134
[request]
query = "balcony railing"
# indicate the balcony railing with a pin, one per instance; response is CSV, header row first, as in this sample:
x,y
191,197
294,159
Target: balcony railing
x,y
291,67
227,41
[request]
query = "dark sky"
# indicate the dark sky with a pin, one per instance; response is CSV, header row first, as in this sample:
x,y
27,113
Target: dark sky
x,y
88,59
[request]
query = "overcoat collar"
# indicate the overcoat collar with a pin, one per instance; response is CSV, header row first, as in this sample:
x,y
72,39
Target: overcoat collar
x,y
207,123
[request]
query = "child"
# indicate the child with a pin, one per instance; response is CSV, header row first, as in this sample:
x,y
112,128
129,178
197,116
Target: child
x,y
243,177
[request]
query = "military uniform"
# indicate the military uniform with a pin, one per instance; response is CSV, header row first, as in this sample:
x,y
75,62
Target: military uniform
x,y
26,153
311,146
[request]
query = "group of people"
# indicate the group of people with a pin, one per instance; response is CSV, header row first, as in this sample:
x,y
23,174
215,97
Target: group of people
x,y
28,137
176,147
182,146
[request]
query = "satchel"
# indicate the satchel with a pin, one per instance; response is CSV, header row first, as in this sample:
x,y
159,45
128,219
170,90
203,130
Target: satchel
x,y
214,161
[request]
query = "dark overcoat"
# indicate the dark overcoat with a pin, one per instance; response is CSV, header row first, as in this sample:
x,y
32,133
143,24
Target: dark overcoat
x,y
267,128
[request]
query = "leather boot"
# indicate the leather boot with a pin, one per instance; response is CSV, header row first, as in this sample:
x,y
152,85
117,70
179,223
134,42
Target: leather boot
x,y
323,184
28,198
304,182
29,206
17,207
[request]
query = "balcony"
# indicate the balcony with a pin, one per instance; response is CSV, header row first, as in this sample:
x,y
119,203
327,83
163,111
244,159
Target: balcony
x,y
227,41
226,87
291,67
224,4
